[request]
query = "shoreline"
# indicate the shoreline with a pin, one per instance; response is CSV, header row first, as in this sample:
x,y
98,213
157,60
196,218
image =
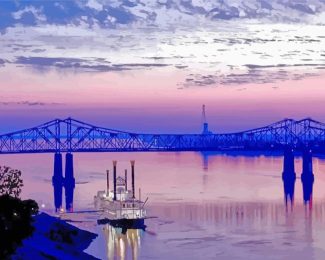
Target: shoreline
x,y
55,238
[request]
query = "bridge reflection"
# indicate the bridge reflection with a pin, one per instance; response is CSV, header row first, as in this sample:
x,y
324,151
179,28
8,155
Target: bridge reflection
x,y
67,182
307,178
233,213
289,178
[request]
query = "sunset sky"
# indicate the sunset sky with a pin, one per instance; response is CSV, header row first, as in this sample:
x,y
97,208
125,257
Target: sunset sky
x,y
148,66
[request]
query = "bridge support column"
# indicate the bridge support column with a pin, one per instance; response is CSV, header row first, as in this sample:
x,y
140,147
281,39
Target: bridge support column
x,y
289,175
307,176
57,181
69,182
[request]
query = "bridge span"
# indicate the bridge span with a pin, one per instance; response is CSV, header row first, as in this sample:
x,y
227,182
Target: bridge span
x,y
70,136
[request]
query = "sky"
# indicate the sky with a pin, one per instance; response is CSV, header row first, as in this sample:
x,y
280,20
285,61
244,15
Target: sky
x,y
148,66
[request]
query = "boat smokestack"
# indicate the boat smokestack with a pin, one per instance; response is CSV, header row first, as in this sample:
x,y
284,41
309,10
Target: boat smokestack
x,y
132,172
107,182
114,176
126,179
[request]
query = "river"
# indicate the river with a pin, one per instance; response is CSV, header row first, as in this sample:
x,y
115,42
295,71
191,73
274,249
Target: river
x,y
205,206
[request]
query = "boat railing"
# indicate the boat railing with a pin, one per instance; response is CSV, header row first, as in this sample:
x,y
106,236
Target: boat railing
x,y
131,205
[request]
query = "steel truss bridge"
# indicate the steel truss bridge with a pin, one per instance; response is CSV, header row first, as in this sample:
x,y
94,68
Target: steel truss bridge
x,y
70,135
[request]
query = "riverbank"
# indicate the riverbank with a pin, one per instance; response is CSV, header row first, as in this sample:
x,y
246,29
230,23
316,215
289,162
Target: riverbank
x,y
55,239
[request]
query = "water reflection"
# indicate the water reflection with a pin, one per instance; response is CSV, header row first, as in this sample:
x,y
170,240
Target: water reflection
x,y
235,210
289,181
124,245
307,186
289,190
289,177
205,160
307,178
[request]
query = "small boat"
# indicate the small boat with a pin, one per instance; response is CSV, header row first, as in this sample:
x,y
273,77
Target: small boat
x,y
119,207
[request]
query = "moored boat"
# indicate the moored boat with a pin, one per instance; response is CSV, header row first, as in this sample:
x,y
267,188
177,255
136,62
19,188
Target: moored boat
x,y
120,207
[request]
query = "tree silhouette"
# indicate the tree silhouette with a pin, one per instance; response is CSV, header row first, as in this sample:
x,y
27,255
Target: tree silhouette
x,y
16,215
10,181
16,223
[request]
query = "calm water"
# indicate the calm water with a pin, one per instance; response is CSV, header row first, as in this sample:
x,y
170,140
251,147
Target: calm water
x,y
218,207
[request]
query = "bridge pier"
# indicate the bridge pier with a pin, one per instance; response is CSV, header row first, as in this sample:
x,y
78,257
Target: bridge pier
x,y
307,176
289,175
57,181
69,182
